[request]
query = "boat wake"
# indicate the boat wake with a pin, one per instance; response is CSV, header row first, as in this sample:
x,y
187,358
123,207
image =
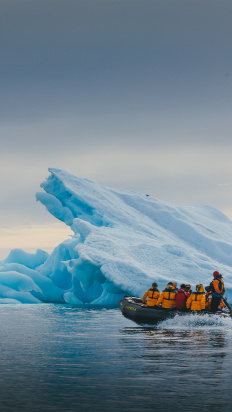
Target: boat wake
x,y
193,321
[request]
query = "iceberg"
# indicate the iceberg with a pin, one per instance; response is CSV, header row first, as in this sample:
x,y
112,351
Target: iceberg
x,y
122,242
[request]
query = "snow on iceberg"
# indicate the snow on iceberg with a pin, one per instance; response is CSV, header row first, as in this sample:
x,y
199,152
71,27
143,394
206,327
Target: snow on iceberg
x,y
122,242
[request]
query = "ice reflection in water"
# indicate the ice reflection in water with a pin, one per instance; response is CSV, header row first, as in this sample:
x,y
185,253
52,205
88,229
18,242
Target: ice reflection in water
x,y
61,358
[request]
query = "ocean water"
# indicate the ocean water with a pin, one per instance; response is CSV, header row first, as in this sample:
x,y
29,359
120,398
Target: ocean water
x,y
64,358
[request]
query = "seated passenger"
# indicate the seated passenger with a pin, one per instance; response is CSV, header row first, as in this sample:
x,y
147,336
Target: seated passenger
x,y
188,287
208,297
181,297
167,297
152,294
196,300
221,305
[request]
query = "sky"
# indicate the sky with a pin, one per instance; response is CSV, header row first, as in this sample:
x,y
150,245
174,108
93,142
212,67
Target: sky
x,y
134,94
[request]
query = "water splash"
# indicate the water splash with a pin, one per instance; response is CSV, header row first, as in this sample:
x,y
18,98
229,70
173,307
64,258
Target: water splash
x,y
195,321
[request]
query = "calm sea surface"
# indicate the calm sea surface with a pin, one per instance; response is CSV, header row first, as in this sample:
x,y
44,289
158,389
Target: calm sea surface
x,y
61,358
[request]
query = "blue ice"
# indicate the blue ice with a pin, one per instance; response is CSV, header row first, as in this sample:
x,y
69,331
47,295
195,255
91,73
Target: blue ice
x,y
122,242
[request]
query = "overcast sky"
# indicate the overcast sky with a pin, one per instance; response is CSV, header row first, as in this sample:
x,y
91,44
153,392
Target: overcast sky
x,y
134,94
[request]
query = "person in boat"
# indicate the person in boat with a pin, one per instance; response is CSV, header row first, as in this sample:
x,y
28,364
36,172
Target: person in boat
x,y
218,290
188,287
167,297
152,295
208,299
196,300
181,297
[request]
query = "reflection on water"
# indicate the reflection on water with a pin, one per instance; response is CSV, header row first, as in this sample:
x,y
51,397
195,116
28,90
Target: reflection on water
x,y
61,358
188,366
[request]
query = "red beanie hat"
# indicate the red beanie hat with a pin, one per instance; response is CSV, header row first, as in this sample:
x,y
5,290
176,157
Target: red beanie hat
x,y
216,273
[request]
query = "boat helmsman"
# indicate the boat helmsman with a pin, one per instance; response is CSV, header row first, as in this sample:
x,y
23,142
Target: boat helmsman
x,y
218,290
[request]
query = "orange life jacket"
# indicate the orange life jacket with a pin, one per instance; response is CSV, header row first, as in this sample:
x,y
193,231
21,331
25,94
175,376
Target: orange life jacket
x,y
152,294
218,286
196,300
167,297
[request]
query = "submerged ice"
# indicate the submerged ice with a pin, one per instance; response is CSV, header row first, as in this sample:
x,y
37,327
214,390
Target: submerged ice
x,y
122,241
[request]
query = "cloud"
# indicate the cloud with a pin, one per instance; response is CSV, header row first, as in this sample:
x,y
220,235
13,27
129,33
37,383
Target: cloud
x,y
135,95
101,57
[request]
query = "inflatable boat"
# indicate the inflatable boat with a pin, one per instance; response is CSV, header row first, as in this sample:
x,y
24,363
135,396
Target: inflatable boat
x,y
134,309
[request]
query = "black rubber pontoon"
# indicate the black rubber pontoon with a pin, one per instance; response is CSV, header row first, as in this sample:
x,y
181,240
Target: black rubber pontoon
x,y
134,309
